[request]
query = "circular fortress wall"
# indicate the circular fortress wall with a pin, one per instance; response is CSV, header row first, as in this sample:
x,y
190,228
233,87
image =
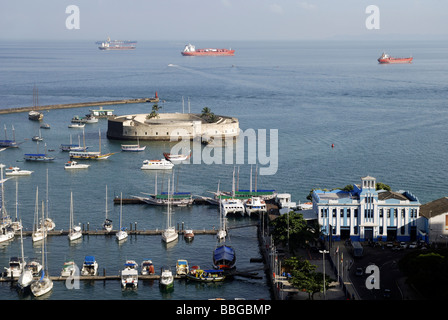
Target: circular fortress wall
x,y
166,125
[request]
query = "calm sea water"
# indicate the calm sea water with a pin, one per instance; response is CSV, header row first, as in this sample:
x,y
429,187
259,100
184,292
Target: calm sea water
x,y
387,121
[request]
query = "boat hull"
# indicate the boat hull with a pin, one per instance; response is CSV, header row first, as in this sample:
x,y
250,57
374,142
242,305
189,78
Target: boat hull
x,y
209,52
394,60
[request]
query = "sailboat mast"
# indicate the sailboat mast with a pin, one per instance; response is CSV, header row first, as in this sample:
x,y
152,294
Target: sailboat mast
x,y
106,201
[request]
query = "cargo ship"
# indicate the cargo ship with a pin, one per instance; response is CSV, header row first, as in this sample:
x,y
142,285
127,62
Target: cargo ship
x,y
116,44
385,58
190,50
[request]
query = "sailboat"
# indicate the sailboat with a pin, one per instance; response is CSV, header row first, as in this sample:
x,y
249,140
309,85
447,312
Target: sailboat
x,y
34,114
16,225
107,224
169,234
26,275
38,157
9,143
90,155
121,234
49,223
6,231
75,231
44,284
73,147
132,147
223,256
222,231
38,233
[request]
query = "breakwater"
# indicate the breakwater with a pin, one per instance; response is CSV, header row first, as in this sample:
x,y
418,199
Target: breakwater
x,y
78,105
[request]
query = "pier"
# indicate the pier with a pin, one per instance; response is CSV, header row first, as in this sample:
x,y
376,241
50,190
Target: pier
x,y
113,232
78,105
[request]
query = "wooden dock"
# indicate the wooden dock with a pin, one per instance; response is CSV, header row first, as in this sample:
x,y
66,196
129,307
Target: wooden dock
x,y
78,105
113,232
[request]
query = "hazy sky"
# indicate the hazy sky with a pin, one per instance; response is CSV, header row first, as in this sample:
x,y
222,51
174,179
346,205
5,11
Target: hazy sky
x,y
187,20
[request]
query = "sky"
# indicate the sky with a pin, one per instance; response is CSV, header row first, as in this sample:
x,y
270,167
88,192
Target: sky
x,y
188,20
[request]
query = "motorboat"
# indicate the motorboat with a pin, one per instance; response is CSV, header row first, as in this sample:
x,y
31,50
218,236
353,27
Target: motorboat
x,y
15,268
147,267
69,269
6,233
176,157
16,171
34,266
161,164
166,278
182,267
188,234
77,125
129,275
75,165
89,267
255,205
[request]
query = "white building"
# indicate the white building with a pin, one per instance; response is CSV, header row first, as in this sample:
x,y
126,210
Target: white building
x,y
367,214
436,222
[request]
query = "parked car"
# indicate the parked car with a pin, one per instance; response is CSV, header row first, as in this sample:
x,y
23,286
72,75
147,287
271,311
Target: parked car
x,y
403,245
413,245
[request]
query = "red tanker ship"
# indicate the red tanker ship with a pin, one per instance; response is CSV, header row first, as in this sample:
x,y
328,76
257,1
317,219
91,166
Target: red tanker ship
x,y
385,58
190,50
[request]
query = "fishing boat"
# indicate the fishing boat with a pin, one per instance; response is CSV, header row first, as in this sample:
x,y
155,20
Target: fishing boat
x,y
75,231
224,257
182,267
176,157
190,50
15,268
232,206
107,224
166,278
132,147
169,234
255,205
387,59
16,171
90,155
44,284
121,234
161,164
7,143
188,234
69,269
147,267
89,267
208,275
75,165
129,275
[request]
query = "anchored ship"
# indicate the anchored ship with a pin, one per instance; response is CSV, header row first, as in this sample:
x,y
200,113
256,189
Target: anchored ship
x,y
385,58
116,44
190,50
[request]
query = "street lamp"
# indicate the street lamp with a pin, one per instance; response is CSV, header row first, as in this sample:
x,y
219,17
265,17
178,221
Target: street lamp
x,y
323,263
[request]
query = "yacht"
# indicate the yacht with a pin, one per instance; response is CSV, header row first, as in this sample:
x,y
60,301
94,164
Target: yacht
x,y
89,267
161,164
129,275
75,165
15,268
16,171
231,205
255,205
166,278
69,269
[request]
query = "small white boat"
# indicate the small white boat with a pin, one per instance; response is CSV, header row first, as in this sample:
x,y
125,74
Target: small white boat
x,y
182,267
77,125
189,234
34,266
121,234
44,285
6,233
147,267
176,157
15,268
132,147
129,275
89,267
25,279
161,164
16,171
69,269
169,234
75,165
166,278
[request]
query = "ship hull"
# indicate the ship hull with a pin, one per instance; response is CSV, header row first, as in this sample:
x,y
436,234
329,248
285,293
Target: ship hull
x,y
116,48
394,60
204,52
